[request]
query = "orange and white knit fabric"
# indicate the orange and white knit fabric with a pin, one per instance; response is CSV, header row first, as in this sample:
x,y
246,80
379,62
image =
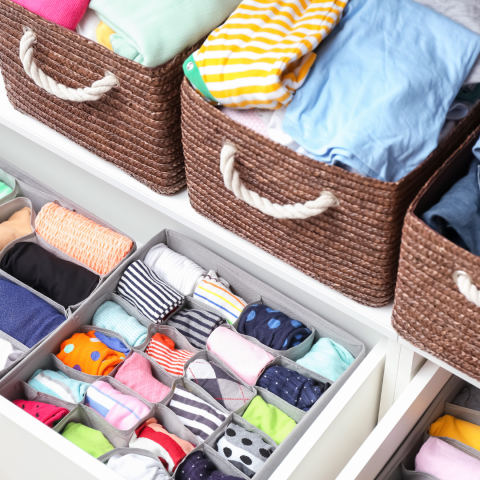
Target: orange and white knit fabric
x,y
95,246
162,349
262,54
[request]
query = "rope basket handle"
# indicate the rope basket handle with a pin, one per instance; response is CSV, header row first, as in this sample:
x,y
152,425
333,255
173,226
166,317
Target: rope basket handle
x,y
87,94
298,211
466,287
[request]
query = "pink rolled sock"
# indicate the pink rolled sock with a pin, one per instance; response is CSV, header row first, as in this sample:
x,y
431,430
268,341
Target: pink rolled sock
x,y
66,13
245,358
136,373
445,462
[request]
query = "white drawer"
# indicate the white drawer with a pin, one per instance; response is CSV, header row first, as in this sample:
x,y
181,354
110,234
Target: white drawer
x,y
29,449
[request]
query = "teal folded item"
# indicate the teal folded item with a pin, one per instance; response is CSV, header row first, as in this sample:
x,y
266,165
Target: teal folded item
x,y
112,316
58,385
327,358
4,190
152,33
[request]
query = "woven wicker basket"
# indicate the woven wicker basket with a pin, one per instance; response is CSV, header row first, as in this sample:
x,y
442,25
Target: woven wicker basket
x,y
430,310
352,248
135,126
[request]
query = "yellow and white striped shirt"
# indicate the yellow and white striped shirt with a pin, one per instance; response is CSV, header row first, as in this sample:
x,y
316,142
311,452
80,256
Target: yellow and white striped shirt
x,y
262,54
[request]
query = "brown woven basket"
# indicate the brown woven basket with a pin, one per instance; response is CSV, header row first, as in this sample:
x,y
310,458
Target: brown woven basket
x,y
135,126
352,248
429,310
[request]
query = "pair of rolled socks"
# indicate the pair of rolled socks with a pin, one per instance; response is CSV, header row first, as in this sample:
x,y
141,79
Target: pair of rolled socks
x,y
162,349
8,353
93,353
17,226
48,414
246,359
119,410
136,373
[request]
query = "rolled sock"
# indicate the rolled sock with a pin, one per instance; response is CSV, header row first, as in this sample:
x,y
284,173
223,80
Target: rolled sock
x,y
297,390
162,349
133,466
148,293
25,316
469,397
8,353
269,419
169,448
197,415
215,292
95,246
48,414
88,439
17,226
446,462
456,429
120,410
4,190
197,467
87,353
136,373
327,358
227,391
66,283
112,316
178,271
246,450
246,359
272,327
196,325
58,385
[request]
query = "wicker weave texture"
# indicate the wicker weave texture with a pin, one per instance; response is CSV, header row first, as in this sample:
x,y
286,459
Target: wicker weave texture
x,y
353,248
135,126
429,311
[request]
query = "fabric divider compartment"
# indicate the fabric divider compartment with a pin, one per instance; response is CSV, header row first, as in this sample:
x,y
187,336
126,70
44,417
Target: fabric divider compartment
x,y
7,209
220,463
18,346
11,182
24,391
86,416
126,450
208,356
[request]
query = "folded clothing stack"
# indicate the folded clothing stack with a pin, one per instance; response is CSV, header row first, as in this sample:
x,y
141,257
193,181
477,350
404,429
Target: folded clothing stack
x,y
17,226
48,414
469,397
272,327
25,316
162,349
88,439
198,467
456,429
4,190
65,282
97,247
169,448
119,410
93,353
58,385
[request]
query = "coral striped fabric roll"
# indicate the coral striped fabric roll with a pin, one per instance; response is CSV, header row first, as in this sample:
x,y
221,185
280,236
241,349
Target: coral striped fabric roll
x,y
95,246
162,349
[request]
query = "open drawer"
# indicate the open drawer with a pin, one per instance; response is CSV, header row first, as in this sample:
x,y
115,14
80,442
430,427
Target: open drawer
x,y
35,451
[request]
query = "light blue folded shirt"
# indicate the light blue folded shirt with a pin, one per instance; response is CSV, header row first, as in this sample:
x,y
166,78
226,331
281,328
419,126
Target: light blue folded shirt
x,y
379,91
58,385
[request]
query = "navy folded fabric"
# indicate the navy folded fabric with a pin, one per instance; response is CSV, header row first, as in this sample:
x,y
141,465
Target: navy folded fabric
x,y
297,390
197,467
64,282
272,327
25,316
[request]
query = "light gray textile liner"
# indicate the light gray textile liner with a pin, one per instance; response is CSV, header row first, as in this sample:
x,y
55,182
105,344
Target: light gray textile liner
x,y
248,287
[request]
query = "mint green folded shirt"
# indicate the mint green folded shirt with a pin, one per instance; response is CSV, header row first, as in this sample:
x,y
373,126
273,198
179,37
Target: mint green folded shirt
x,y
152,33
4,190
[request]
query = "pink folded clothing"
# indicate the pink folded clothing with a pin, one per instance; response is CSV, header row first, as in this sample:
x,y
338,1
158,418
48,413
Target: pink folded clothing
x,y
252,119
446,462
136,373
66,13
48,414
246,359
121,411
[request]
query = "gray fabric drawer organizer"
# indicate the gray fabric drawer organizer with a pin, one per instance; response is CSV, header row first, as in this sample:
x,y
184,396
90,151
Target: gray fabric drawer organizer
x,y
242,284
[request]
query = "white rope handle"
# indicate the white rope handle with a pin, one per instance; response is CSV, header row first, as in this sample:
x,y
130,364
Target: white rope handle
x,y
466,287
87,94
299,211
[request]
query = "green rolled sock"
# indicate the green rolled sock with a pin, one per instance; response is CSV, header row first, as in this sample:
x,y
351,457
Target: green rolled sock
x,y
268,418
88,439
4,190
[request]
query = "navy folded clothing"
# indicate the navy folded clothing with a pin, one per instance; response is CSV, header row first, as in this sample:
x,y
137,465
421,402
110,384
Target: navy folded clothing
x,y
25,316
297,390
272,327
197,467
66,283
